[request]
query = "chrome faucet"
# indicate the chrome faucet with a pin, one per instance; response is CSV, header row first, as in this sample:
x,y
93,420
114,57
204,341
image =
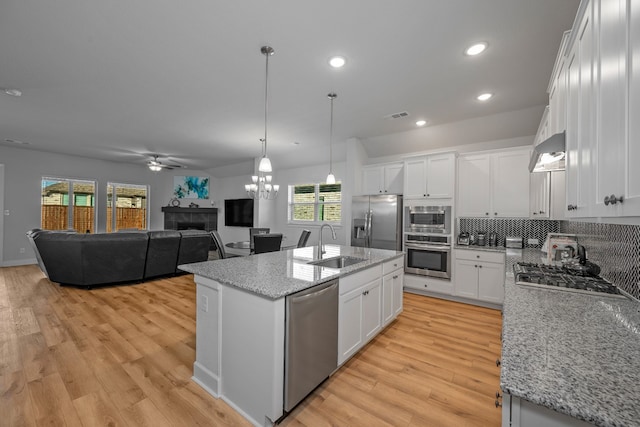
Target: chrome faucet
x,y
333,235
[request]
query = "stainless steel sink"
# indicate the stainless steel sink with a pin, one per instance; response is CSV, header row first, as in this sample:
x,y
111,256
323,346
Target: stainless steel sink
x,y
337,262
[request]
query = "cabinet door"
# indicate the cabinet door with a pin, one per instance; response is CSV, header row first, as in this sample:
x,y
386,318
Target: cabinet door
x,y
440,177
398,285
387,297
610,92
474,185
491,282
372,178
558,199
415,178
466,273
350,324
631,205
539,197
579,162
393,179
510,184
371,309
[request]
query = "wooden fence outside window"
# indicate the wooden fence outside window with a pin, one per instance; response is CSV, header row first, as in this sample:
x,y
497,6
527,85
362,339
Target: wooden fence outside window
x,y
54,217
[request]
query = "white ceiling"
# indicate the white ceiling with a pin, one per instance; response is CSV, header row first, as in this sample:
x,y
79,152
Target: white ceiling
x,y
120,80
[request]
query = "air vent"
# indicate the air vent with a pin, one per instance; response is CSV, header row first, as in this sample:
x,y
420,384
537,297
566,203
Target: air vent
x,y
397,115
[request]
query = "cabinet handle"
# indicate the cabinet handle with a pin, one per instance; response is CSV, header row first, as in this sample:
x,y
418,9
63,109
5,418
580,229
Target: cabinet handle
x,y
535,213
495,213
477,256
498,404
428,195
486,213
498,395
498,363
541,212
572,207
426,286
475,266
424,195
479,266
395,277
612,199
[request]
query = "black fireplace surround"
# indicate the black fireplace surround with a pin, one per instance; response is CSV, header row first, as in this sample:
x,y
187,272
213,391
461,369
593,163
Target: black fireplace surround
x,y
190,218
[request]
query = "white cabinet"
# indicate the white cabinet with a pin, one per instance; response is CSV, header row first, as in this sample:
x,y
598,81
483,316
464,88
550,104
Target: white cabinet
x,y
557,199
556,121
518,412
381,179
539,195
479,275
603,101
392,283
431,177
360,318
494,184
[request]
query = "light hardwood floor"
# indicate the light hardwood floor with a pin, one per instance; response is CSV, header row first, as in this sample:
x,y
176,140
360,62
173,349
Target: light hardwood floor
x,y
123,356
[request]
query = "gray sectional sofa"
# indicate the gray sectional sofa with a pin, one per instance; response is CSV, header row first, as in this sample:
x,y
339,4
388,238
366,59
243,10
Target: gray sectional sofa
x,y
106,258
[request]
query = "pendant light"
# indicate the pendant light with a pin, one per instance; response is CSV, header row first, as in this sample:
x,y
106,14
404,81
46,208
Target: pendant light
x,y
331,179
261,186
265,163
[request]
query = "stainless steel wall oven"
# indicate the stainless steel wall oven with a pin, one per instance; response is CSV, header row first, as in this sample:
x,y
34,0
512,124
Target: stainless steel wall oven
x,y
428,255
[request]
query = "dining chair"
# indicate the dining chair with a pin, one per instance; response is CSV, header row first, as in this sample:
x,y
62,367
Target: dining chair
x,y
267,243
222,254
256,230
304,236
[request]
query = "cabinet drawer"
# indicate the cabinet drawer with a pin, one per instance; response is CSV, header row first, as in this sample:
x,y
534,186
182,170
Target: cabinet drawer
x,y
428,284
392,265
485,256
355,280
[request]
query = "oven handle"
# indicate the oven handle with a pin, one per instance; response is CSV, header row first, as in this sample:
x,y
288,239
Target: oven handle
x,y
428,247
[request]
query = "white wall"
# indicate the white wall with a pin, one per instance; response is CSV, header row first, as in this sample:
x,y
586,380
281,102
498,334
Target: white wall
x,y
24,170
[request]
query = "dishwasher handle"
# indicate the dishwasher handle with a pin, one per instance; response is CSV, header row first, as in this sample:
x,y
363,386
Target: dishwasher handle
x,y
313,291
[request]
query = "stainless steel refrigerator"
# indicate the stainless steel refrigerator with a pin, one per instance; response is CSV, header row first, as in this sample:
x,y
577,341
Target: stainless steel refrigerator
x,y
377,222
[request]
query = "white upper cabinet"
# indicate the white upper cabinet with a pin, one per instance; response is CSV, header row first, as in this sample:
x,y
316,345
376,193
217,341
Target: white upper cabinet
x,y
494,185
382,179
602,110
430,177
558,91
539,195
579,121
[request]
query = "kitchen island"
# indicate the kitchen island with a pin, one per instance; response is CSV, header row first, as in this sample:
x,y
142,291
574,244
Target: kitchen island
x,y
241,319
576,354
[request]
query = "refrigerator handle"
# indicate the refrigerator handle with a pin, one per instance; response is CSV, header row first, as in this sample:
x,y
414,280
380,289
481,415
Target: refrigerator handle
x,y
368,225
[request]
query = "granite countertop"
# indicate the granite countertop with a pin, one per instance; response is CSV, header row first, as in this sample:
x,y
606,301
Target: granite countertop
x,y
278,274
577,354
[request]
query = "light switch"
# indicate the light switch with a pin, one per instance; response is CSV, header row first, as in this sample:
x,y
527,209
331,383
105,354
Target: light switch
x,y
204,303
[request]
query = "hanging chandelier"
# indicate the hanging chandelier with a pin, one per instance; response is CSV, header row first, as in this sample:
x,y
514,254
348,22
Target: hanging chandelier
x,y
331,179
261,186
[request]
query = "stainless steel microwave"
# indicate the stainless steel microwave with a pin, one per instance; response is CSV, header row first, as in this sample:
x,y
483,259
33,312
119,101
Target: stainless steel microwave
x,y
428,219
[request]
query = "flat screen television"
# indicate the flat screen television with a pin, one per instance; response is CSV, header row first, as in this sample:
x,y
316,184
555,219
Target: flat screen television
x,y
238,212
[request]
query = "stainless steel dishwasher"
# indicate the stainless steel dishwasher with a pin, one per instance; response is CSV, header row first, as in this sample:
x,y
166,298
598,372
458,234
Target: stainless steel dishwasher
x,y
311,340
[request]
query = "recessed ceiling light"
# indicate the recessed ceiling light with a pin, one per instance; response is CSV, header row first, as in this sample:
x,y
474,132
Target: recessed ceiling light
x,y
337,61
15,141
484,96
476,49
12,92
421,122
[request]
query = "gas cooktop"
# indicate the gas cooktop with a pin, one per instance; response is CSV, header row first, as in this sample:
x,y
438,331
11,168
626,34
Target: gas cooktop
x,y
562,278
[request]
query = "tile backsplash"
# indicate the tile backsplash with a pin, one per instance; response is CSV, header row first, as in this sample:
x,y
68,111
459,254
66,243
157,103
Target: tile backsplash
x,y
520,227
614,247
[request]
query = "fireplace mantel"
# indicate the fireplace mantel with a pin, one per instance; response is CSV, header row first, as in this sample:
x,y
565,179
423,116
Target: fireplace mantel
x,y
171,209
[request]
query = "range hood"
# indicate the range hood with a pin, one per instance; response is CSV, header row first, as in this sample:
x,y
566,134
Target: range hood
x,y
549,154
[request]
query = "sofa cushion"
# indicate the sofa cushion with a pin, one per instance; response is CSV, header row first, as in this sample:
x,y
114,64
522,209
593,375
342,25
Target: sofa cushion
x,y
194,246
162,253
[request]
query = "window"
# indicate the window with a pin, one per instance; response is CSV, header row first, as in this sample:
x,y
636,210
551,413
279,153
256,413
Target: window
x,y
58,195
315,203
130,202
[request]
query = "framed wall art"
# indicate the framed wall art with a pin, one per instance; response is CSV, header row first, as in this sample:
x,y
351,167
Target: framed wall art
x,y
191,187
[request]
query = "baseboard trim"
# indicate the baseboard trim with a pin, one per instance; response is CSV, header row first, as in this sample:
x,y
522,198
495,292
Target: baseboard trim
x,y
454,298
19,262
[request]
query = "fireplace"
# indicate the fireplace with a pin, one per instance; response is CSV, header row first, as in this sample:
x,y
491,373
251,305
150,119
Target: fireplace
x,y
191,226
190,218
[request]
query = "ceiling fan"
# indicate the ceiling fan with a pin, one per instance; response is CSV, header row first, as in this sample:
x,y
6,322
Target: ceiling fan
x,y
156,165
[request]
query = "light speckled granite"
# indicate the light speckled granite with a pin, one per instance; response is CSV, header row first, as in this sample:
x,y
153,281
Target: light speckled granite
x,y
277,274
574,353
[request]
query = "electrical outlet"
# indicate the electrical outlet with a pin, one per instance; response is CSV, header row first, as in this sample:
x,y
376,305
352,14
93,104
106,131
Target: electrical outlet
x,y
6,212
21,250
204,303
533,241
